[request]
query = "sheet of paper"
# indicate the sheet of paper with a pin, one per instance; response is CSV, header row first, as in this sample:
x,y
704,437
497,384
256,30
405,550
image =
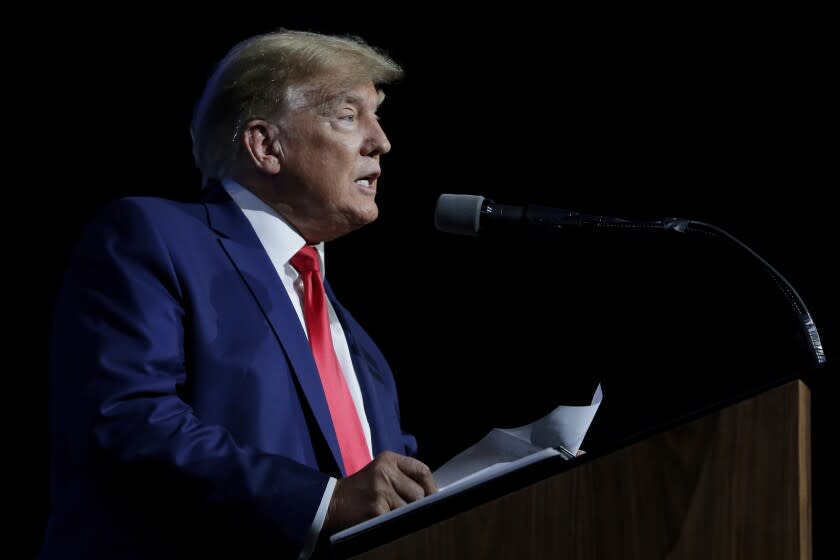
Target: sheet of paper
x,y
564,426
498,469
497,447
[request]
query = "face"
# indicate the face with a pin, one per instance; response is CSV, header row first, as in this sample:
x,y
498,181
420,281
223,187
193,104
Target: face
x,y
329,161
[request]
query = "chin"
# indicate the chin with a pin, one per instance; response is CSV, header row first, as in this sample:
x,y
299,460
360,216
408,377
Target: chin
x,y
366,212
365,218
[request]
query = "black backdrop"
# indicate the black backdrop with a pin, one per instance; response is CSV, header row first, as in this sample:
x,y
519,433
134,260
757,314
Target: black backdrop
x,y
718,118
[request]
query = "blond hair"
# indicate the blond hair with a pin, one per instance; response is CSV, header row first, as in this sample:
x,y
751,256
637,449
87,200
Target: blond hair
x,y
254,79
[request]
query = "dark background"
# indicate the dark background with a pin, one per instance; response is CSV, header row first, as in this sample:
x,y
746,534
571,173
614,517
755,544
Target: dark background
x,y
723,118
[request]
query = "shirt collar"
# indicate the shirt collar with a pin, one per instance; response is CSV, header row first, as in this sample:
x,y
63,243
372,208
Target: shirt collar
x,y
276,234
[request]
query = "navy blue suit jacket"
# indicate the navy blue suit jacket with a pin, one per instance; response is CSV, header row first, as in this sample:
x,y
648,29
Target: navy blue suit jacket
x,y
187,414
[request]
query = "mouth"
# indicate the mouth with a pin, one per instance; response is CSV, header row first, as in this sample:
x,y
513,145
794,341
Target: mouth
x,y
368,182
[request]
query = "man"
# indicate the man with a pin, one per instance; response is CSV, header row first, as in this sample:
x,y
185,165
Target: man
x,y
208,397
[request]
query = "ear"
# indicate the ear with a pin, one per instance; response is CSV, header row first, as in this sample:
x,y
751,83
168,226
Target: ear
x,y
261,142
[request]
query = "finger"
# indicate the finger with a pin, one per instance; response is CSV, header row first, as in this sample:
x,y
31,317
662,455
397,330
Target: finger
x,y
395,500
406,487
418,472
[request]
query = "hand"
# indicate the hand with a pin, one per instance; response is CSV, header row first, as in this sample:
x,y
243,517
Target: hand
x,y
388,482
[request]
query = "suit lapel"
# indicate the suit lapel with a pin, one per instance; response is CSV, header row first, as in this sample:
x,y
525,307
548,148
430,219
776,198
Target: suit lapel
x,y
248,256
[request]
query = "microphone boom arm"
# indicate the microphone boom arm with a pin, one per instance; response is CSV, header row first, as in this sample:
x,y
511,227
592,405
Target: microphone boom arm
x,y
683,225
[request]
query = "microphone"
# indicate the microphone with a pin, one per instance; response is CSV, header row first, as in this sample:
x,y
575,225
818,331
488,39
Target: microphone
x,y
466,214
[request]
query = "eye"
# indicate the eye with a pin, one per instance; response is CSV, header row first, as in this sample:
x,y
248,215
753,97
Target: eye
x,y
350,117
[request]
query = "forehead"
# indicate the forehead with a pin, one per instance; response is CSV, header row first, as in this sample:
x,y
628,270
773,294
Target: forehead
x,y
325,96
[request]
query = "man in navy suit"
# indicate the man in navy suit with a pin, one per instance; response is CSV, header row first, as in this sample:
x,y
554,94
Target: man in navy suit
x,y
189,415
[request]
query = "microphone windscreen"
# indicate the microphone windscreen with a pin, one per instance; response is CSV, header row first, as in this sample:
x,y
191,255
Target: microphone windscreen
x,y
458,213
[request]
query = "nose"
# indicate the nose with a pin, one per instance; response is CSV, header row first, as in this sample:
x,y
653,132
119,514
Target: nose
x,y
377,142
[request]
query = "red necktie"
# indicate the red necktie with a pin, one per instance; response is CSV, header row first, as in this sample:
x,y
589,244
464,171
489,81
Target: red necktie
x,y
348,428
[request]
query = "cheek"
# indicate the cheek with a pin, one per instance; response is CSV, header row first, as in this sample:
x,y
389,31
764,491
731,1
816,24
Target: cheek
x,y
331,161
342,162
333,155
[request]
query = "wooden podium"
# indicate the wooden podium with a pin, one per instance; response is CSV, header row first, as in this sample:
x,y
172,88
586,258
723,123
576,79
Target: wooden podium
x,y
734,482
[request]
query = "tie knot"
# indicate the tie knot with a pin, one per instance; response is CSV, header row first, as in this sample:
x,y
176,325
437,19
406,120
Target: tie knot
x,y
306,260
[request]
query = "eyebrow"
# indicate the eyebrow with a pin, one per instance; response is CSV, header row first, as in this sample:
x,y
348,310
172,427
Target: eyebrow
x,y
354,99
